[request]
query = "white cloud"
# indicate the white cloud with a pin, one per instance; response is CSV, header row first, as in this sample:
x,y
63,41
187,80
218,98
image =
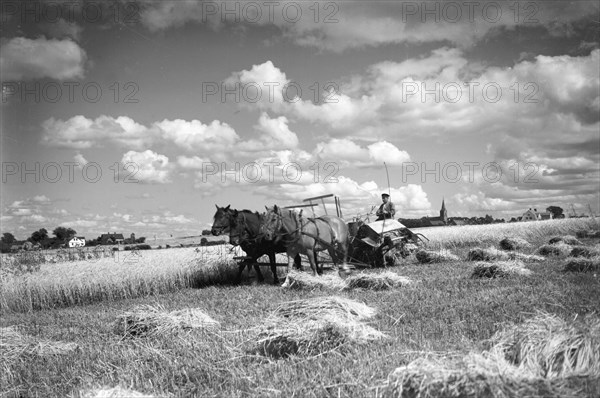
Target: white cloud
x,y
28,59
80,160
349,153
195,136
80,132
41,198
151,167
342,26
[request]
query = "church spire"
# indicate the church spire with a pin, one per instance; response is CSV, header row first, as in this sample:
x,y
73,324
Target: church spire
x,y
443,212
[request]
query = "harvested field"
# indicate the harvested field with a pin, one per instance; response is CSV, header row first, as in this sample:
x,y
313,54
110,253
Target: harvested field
x,y
314,327
548,346
497,269
430,256
445,315
149,320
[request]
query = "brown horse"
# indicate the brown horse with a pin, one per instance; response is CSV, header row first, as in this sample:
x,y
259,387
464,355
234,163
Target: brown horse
x,y
244,230
308,236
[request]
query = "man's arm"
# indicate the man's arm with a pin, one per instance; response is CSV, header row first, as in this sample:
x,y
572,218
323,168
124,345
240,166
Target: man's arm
x,y
392,209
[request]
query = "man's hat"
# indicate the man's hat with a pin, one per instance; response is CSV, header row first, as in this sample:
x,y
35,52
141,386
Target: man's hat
x,y
385,195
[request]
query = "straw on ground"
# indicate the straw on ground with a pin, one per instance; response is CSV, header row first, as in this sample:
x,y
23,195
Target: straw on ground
x,y
431,256
549,346
497,269
313,327
148,320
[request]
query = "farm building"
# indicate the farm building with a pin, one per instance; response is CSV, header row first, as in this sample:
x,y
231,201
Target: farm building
x,y
77,241
533,215
111,239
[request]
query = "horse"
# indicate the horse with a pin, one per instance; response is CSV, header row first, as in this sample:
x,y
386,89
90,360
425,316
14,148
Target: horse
x,y
244,230
308,236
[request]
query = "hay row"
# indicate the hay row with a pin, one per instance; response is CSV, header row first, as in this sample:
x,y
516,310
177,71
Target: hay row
x,y
566,239
473,376
431,256
557,249
514,243
362,280
582,265
313,327
539,358
549,346
13,345
149,320
497,269
585,251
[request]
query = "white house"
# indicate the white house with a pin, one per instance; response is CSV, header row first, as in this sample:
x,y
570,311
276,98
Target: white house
x,y
533,215
77,241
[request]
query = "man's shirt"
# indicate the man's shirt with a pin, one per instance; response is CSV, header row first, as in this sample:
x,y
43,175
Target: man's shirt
x,y
387,208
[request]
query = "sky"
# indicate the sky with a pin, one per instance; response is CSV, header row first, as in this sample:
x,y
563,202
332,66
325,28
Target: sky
x,y
141,116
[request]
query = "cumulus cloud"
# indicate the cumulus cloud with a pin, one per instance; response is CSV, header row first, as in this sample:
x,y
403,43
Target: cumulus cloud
x,y
28,59
150,167
196,136
341,26
80,132
348,152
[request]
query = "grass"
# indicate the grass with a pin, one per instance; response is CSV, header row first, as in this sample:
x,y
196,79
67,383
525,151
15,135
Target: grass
x,y
445,317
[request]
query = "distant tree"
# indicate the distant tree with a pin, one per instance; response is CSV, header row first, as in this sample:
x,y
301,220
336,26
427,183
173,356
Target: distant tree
x,y
63,233
206,232
556,211
38,235
141,239
8,238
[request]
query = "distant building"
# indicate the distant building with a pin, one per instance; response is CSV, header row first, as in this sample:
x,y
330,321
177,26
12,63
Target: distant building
x,y
77,241
534,215
457,222
440,221
111,239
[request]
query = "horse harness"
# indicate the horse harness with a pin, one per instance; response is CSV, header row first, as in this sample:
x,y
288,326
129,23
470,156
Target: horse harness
x,y
300,229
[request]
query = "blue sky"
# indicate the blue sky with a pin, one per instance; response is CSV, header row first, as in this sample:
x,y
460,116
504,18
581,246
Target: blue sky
x,y
512,88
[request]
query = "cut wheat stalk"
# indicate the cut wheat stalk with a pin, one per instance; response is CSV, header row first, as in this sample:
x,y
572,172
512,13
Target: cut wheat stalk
x,y
149,320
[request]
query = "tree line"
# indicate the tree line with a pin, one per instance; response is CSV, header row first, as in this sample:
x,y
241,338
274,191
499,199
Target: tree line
x,y
41,239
